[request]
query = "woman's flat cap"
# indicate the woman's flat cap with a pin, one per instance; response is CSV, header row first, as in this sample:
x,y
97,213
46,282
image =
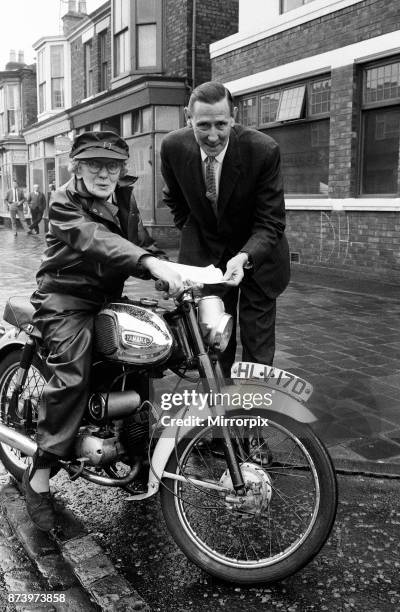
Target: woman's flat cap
x,y
90,145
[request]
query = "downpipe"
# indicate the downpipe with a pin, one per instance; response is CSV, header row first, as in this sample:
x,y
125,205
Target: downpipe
x,y
17,440
28,448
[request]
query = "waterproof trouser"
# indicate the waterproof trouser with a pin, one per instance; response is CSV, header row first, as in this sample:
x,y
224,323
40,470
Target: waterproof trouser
x,y
66,324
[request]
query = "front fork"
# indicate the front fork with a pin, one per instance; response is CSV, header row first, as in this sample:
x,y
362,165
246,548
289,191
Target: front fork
x,y
212,377
22,415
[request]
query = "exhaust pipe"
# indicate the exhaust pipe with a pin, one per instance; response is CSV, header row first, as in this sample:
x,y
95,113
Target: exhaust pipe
x,y
16,440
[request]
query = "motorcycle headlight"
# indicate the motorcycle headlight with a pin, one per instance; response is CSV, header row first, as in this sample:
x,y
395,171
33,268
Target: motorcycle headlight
x,y
215,324
220,333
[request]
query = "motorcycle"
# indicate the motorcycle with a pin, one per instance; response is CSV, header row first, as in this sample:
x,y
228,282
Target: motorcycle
x,y
247,490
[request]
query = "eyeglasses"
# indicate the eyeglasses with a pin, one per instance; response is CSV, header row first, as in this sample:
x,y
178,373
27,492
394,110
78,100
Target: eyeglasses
x,y
113,167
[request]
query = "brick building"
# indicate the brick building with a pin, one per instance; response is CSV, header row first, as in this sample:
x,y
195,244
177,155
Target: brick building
x,y
128,66
17,111
322,77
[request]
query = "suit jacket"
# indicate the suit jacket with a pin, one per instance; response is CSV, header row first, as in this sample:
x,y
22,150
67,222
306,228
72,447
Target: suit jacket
x,y
251,208
10,196
37,201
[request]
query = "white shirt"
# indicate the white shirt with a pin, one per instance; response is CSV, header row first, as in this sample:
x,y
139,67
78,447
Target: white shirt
x,y
218,167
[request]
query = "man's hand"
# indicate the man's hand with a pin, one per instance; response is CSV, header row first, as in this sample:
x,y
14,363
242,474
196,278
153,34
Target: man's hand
x,y
159,269
234,269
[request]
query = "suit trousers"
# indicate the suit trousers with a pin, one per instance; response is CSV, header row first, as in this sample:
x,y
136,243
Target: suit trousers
x,y
66,324
257,314
36,216
17,210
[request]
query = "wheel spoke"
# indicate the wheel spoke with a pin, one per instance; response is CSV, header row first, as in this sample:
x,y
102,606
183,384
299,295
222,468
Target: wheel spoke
x,y
264,527
32,391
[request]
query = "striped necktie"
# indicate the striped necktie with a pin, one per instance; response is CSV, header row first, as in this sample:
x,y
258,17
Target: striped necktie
x,y
211,185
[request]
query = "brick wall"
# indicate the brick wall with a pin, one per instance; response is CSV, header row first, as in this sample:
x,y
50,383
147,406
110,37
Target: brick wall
x,y
176,38
344,132
78,66
77,72
214,20
29,98
356,23
366,243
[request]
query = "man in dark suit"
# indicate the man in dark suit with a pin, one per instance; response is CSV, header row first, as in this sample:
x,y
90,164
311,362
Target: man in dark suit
x,y
37,204
15,199
224,187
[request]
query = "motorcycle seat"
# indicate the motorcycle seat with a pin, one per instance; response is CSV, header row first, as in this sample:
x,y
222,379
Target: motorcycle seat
x,y
18,311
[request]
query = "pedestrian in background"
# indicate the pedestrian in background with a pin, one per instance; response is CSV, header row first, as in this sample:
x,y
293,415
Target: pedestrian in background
x,y
15,199
37,204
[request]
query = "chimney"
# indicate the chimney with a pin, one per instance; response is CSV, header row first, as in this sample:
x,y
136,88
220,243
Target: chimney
x,y
72,18
82,7
21,57
13,56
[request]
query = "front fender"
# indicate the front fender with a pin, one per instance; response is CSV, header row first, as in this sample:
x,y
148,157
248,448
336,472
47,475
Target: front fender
x,y
234,397
12,339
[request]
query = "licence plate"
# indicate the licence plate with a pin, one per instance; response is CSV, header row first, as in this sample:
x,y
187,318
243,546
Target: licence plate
x,y
284,381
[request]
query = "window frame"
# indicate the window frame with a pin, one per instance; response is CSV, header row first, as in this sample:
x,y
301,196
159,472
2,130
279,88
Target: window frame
x,y
283,12
365,107
12,110
57,76
132,29
88,68
104,80
140,22
306,114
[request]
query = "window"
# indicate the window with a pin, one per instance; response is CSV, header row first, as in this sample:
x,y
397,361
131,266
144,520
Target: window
x,y
121,53
320,97
57,76
269,104
291,103
12,109
142,120
248,112
121,37
289,5
41,81
146,34
137,35
103,61
2,111
297,117
87,50
121,15
380,129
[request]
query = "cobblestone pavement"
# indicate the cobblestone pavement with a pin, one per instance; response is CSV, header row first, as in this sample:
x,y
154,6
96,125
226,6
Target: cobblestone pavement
x,y
342,336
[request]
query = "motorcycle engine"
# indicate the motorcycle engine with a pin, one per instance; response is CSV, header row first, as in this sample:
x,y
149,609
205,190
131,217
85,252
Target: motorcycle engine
x,y
98,450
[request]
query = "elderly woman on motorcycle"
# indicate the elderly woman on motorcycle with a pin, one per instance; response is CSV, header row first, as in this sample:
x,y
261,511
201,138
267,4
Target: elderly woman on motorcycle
x,y
94,244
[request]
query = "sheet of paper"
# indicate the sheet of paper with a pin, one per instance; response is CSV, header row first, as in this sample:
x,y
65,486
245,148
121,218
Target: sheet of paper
x,y
207,275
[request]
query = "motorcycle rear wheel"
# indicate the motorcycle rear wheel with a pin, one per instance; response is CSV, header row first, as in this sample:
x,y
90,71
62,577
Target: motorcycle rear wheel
x,y
300,495
12,459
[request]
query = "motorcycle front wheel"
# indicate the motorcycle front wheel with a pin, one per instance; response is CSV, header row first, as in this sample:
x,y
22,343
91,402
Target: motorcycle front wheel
x,y
13,460
287,513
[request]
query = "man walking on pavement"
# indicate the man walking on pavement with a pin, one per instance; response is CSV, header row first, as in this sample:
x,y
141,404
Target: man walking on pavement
x,y
224,187
37,204
15,198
